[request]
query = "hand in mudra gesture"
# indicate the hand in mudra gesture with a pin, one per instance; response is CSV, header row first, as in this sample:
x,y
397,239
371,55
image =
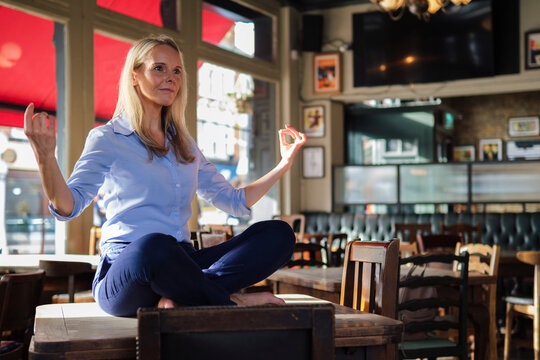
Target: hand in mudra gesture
x,y
289,151
40,129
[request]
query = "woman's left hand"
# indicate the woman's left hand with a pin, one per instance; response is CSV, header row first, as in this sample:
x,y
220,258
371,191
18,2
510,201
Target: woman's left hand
x,y
289,151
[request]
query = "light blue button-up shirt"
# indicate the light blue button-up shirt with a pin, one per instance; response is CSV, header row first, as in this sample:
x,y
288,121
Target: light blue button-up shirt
x,y
143,196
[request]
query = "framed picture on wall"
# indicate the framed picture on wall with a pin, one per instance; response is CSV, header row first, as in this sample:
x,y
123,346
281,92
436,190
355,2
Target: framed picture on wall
x,y
490,149
313,162
464,153
532,49
523,126
327,73
313,121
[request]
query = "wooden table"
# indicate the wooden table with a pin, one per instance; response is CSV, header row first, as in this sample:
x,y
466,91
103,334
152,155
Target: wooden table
x,y
27,262
52,284
325,283
84,331
322,283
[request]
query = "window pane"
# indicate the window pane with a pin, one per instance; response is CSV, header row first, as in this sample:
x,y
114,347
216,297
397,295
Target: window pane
x,y
238,29
109,57
444,183
157,12
365,185
232,107
506,182
31,49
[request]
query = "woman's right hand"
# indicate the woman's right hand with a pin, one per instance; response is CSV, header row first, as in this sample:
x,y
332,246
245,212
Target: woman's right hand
x,y
40,129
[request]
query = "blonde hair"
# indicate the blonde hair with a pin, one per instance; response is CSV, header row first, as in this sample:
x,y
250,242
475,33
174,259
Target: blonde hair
x,y
173,117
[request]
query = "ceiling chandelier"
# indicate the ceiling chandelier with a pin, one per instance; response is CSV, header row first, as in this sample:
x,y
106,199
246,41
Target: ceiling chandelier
x,y
421,8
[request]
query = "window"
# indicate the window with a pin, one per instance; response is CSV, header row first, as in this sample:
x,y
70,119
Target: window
x,y
238,29
232,107
157,12
28,69
109,57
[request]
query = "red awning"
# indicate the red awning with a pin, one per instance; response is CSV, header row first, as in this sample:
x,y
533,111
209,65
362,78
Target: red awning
x,y
28,57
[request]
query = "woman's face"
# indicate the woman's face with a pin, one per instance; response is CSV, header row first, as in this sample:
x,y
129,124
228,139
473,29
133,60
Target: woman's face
x,y
158,80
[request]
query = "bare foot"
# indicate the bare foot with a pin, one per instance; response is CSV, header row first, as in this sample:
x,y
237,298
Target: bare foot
x,y
165,303
258,298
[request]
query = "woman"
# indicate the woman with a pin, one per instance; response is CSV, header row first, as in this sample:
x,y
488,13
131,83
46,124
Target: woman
x,y
151,169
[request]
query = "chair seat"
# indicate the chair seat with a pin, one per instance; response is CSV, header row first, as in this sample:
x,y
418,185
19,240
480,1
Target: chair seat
x,y
518,300
9,346
80,297
433,342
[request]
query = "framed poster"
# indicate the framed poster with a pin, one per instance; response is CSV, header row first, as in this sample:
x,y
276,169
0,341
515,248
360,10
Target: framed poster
x,y
313,121
313,162
490,149
464,153
532,49
327,73
523,126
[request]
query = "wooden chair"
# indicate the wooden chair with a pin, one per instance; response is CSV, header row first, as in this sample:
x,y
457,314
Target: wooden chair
x,y
408,249
306,253
409,232
523,306
438,243
297,222
434,346
237,332
69,270
19,296
369,280
221,229
483,259
211,239
465,231
95,237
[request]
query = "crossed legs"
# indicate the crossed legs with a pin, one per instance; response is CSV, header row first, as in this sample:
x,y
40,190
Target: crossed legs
x,y
156,266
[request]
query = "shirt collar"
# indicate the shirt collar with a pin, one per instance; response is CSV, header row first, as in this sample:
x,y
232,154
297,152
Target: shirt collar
x,y
122,125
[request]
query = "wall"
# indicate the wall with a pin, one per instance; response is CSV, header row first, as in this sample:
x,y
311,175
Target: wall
x,y
486,117
316,194
337,29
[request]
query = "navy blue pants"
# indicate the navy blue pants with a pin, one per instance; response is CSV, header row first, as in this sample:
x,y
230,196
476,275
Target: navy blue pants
x,y
156,266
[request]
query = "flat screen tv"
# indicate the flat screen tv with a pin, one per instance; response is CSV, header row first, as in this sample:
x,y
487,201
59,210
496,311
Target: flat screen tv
x,y
452,46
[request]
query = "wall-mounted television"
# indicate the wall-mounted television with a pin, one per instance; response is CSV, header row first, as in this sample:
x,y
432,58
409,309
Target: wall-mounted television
x,y
472,41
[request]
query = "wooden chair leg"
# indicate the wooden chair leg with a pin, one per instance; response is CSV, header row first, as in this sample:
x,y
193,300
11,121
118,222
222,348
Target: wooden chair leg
x,y
508,334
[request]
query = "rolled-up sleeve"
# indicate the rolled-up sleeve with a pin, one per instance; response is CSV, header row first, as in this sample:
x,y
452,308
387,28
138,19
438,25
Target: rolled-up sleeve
x,y
214,188
89,173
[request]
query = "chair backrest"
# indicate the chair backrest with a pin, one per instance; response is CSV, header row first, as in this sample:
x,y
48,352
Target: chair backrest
x,y
211,239
409,232
221,229
369,279
469,233
19,296
232,332
451,293
66,269
297,222
533,258
438,243
482,258
95,237
309,254
408,249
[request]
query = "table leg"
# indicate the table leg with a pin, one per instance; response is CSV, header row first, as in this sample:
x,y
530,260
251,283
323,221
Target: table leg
x,y
492,296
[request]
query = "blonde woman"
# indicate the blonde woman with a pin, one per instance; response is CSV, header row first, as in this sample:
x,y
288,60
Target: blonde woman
x,y
151,169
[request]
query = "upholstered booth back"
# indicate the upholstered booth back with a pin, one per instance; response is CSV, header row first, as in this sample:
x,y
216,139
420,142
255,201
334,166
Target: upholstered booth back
x,y
519,231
